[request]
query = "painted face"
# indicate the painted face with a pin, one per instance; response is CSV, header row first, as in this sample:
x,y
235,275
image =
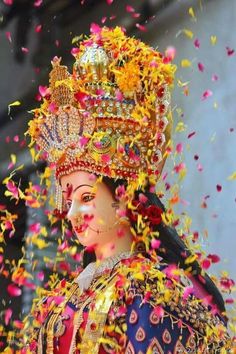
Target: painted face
x,y
92,209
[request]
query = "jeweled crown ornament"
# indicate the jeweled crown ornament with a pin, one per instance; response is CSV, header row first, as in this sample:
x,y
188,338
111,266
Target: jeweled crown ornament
x,y
110,115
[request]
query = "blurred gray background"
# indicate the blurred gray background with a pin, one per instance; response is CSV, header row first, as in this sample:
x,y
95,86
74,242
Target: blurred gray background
x,y
209,154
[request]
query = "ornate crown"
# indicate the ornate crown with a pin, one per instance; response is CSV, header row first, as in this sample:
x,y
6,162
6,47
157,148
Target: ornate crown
x,y
109,116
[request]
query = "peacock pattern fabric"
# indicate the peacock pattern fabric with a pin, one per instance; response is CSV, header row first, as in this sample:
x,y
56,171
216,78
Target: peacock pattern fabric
x,y
137,307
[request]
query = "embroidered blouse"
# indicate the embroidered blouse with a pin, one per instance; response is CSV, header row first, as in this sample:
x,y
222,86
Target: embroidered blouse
x,y
135,308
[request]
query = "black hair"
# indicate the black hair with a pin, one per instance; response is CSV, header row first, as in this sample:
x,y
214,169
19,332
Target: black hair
x,y
173,249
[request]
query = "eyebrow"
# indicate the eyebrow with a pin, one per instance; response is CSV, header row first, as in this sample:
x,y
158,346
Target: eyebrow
x,y
81,185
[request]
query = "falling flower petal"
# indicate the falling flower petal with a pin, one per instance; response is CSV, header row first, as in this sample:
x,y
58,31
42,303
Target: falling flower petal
x,y
13,290
38,28
43,90
24,50
188,33
8,35
170,52
8,2
229,51
38,3
206,94
129,8
197,43
95,28
206,263
191,13
214,258
214,77
201,67
141,27
213,40
179,148
109,2
7,316
185,63
155,243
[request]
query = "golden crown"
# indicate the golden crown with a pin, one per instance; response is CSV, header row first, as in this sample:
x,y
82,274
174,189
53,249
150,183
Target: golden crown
x,y
109,116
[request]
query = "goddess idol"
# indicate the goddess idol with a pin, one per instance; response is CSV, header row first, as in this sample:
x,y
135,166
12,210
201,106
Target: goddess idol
x,y
105,128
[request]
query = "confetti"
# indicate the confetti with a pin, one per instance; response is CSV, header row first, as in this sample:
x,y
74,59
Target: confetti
x,y
232,177
206,94
230,51
185,63
188,33
13,290
38,28
213,40
141,27
24,50
8,35
129,8
197,43
38,3
201,67
8,2
191,13
218,188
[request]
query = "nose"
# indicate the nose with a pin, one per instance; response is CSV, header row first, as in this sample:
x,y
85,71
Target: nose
x,y
74,211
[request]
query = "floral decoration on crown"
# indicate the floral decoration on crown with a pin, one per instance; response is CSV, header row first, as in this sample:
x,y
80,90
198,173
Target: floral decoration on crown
x,y
110,115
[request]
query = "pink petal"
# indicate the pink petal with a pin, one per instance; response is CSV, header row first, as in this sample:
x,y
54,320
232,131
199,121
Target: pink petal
x,y
16,138
129,8
37,3
8,2
40,275
178,168
218,188
197,43
103,20
13,290
155,244
38,28
75,51
187,291
206,263
109,2
170,52
159,312
106,158
119,95
7,317
52,107
135,15
153,64
179,148
35,228
95,28
25,50
142,198
43,90
214,77
206,94
83,141
141,27
201,67
199,167
8,35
